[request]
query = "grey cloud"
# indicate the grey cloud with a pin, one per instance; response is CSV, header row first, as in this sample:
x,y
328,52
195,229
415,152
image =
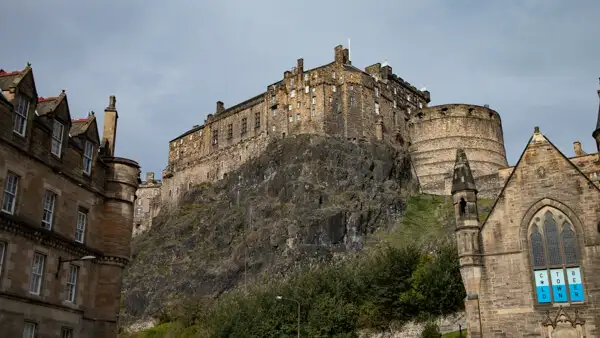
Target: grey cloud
x,y
536,62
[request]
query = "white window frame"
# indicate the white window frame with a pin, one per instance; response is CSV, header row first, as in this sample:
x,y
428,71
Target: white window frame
x,y
48,214
293,93
306,76
3,247
376,108
30,330
80,226
66,332
290,107
10,193
72,283
314,100
297,116
306,89
58,130
334,88
21,115
37,273
376,92
395,104
88,157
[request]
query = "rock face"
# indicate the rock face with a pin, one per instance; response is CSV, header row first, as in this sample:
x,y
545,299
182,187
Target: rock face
x,y
306,198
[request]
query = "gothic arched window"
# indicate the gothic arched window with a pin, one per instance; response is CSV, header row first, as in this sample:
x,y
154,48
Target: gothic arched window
x,y
555,258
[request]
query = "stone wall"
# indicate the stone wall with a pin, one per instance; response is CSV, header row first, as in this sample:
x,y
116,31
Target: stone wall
x,y
437,132
147,204
337,99
543,180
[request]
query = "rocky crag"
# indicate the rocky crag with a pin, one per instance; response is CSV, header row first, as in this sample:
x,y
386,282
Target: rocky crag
x,y
305,199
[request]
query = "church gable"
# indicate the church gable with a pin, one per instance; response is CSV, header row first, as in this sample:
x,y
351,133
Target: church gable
x,y
542,173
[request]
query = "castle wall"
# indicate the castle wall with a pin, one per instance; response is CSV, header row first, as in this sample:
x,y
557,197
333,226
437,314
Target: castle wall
x,y
437,132
147,204
337,99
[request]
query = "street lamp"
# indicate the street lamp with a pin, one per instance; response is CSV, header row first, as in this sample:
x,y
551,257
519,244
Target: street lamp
x,y
61,260
297,302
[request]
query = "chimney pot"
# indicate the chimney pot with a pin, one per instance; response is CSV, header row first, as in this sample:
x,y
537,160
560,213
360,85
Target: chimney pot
x,y
112,102
220,106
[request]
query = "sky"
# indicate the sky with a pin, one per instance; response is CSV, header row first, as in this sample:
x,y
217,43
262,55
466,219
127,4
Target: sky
x,y
536,62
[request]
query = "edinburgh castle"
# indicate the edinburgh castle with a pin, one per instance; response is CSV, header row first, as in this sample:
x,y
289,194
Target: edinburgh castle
x,y
336,99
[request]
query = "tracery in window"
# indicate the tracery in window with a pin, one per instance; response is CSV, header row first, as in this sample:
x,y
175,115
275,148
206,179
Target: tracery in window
x,y
555,258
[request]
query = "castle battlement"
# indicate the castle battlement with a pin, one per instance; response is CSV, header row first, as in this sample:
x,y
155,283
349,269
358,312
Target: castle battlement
x,y
456,110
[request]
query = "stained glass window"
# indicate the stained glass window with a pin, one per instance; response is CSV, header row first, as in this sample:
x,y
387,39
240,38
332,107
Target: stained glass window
x,y
555,259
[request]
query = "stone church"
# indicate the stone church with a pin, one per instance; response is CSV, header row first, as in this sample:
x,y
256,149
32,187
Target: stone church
x,y
532,267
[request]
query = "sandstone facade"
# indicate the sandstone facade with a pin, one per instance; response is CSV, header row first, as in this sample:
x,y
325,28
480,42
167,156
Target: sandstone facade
x,y
531,268
64,197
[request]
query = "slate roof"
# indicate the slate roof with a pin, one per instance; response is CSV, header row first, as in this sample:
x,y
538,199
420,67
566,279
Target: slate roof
x,y
47,105
9,79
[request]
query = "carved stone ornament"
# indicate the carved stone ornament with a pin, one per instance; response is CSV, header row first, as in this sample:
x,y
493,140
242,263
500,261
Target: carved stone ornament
x,y
563,326
541,172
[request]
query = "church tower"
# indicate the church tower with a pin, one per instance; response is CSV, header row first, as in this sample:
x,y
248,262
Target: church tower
x,y
464,195
596,133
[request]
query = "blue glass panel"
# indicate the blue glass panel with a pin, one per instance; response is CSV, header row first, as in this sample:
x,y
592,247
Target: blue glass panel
x,y
575,284
559,288
542,286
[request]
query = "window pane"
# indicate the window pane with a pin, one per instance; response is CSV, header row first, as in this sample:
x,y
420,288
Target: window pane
x,y
559,289
537,249
569,242
552,244
575,284
542,286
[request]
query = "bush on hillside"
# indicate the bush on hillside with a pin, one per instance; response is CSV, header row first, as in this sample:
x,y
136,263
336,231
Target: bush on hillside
x,y
389,285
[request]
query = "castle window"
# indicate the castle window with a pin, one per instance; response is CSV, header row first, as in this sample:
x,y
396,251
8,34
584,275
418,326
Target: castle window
x,y
229,131
215,136
9,197
333,74
48,214
21,113
305,76
293,93
352,102
297,116
306,89
462,207
334,88
273,99
314,89
291,118
313,112
420,105
408,97
274,111
555,258
395,90
244,125
314,100
351,87
57,138
81,225
376,92
256,120
376,108
72,283
290,107
291,82
88,154
395,104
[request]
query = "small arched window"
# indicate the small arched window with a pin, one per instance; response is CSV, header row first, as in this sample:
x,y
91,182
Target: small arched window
x,y
462,207
555,258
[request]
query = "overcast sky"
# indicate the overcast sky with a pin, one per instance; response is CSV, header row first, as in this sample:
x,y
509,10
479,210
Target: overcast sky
x,y
536,62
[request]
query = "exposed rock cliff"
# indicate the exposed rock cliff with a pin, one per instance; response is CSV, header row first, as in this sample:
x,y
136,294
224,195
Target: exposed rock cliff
x,y
305,198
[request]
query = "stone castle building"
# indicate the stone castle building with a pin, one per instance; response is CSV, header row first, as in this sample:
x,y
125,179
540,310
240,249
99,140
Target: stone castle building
x,y
66,211
341,100
147,204
532,267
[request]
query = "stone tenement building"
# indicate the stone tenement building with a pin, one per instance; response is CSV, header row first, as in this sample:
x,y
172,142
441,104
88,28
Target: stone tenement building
x,y
341,100
532,267
66,211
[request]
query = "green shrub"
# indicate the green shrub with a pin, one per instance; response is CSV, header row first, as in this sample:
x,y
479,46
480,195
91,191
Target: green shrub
x,y
431,330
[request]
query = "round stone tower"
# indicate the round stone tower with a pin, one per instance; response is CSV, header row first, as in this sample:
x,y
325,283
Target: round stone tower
x,y
437,132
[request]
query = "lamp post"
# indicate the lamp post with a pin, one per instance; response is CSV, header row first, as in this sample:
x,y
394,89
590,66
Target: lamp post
x,y
297,302
61,260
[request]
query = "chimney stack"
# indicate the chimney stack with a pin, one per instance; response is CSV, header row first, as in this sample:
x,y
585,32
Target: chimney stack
x,y
220,107
109,135
150,177
577,149
300,66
